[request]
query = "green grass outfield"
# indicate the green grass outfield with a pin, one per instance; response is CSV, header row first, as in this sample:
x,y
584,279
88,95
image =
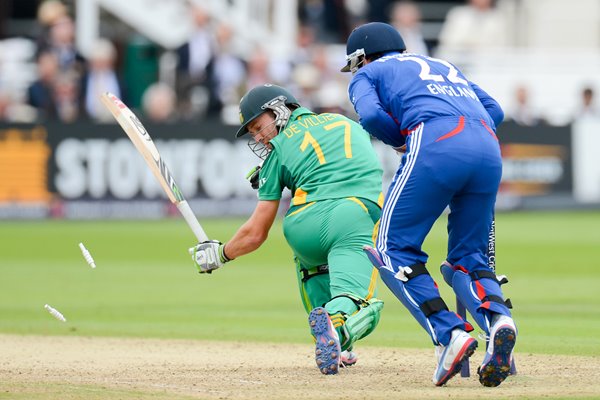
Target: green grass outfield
x,y
145,284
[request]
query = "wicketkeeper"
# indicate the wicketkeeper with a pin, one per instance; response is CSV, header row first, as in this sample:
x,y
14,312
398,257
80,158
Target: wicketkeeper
x,y
452,159
329,165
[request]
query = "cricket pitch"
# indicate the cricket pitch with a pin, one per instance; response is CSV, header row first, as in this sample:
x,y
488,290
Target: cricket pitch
x,y
61,367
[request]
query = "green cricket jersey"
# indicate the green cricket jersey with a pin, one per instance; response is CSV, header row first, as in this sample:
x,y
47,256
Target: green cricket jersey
x,y
320,157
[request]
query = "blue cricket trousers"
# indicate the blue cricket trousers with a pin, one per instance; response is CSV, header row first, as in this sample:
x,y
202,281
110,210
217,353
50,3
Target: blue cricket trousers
x,y
450,161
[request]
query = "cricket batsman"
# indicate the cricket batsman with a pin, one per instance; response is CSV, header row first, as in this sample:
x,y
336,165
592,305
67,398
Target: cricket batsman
x,y
452,158
329,165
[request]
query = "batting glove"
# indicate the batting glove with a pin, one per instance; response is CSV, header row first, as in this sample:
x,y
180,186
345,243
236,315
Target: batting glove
x,y
208,256
252,177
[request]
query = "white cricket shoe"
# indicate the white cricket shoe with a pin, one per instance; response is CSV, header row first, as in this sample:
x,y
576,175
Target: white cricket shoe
x,y
348,358
450,357
496,363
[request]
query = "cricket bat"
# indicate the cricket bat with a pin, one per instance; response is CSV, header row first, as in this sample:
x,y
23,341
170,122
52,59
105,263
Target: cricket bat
x,y
144,144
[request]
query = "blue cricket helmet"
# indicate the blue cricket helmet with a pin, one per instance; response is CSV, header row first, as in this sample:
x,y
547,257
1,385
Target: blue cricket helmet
x,y
369,39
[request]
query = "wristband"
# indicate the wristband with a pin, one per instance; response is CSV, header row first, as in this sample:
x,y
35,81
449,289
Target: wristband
x,y
222,254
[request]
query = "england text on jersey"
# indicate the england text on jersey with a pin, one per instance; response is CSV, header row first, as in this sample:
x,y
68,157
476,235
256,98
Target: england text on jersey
x,y
450,90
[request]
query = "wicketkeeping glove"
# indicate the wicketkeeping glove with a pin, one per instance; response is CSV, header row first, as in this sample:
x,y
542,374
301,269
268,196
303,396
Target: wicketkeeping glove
x,y
208,256
252,177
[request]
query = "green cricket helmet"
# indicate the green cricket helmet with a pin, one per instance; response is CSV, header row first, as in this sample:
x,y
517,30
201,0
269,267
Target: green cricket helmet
x,y
262,98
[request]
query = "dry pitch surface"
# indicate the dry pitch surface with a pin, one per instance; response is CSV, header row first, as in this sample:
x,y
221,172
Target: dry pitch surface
x,y
40,367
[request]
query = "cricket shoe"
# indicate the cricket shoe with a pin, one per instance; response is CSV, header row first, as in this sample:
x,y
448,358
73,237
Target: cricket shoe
x,y
327,346
348,358
496,363
450,357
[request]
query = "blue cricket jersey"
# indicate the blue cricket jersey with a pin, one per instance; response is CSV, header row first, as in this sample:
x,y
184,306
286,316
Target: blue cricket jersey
x,y
395,93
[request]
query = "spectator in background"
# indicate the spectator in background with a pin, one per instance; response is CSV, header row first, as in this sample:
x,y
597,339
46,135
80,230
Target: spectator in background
x,y
262,69
196,54
305,41
358,12
49,11
322,61
67,97
11,110
229,73
310,13
62,44
588,107
308,51
316,75
523,113
194,85
307,79
101,77
477,25
159,103
406,18
258,68
40,93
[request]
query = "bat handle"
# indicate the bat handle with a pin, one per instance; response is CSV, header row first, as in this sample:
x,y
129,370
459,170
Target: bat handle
x,y
190,218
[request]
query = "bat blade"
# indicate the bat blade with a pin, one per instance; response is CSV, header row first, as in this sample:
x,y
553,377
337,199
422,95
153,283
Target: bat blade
x,y
142,141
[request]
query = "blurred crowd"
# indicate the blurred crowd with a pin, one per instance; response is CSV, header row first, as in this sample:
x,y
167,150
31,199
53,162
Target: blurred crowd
x,y
214,67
